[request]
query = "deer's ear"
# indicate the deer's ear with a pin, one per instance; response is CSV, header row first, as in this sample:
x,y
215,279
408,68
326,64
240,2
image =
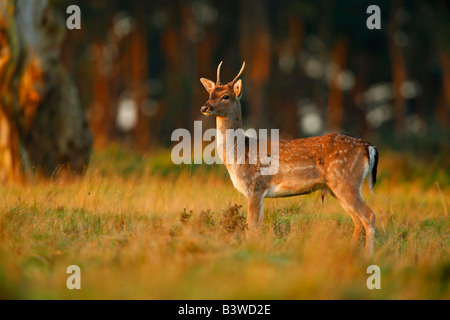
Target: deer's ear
x,y
208,84
238,88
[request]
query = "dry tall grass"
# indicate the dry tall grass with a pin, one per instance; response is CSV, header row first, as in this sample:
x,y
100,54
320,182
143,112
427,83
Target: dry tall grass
x,y
140,229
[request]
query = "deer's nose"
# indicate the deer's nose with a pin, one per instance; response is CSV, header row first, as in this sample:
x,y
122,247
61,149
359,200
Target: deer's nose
x,y
206,108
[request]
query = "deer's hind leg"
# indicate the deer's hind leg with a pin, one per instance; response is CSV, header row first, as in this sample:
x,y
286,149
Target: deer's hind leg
x,y
358,226
362,216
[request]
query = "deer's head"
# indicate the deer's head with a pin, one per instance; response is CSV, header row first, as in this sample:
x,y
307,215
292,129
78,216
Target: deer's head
x,y
222,97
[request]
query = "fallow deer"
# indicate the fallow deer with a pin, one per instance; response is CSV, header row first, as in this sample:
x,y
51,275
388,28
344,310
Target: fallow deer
x,y
334,163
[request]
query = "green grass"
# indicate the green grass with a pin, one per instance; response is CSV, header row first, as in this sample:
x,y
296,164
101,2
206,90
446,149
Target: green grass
x,y
142,228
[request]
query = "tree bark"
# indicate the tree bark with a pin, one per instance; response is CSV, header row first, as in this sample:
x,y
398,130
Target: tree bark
x,y
255,47
399,71
43,127
335,111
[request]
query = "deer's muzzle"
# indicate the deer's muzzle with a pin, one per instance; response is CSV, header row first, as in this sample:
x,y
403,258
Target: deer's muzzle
x,y
206,109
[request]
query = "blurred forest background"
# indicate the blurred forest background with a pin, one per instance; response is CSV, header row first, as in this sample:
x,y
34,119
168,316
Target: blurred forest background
x,y
131,74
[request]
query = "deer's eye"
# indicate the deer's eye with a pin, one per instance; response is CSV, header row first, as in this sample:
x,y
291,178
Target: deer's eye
x,y
225,97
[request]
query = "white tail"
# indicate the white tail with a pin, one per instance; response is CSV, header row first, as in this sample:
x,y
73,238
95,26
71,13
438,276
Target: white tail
x,y
373,163
334,163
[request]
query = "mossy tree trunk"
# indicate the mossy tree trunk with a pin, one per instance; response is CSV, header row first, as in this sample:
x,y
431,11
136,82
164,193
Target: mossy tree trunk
x,y
43,127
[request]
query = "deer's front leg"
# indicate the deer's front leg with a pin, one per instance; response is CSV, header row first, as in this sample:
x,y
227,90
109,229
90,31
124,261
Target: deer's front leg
x,y
255,213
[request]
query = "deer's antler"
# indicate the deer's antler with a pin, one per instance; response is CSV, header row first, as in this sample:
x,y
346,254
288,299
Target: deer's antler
x,y
218,74
239,74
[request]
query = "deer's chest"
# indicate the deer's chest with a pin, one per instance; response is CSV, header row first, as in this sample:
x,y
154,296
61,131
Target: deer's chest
x,y
241,179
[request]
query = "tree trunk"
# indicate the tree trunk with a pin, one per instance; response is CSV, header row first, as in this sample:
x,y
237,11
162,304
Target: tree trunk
x,y
335,110
256,49
139,66
399,72
42,124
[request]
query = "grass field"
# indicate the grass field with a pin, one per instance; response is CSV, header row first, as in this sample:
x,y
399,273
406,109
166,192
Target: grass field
x,y
141,228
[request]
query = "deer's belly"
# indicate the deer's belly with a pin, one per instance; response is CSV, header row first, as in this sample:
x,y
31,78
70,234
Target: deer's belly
x,y
293,187
284,184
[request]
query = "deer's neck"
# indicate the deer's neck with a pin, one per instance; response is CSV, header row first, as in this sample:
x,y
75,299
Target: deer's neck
x,y
232,121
